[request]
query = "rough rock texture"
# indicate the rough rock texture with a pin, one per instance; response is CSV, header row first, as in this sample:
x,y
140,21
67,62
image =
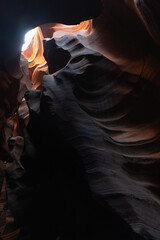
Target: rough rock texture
x,y
12,33
93,134
57,144
12,104
123,107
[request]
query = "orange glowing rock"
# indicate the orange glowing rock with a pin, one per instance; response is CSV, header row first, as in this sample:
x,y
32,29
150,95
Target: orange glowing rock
x,y
34,52
37,63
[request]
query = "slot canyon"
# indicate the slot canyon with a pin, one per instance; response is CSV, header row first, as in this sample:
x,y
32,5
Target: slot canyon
x,y
79,120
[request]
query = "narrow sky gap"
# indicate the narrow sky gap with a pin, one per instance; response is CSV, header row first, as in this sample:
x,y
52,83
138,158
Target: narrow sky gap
x,y
28,38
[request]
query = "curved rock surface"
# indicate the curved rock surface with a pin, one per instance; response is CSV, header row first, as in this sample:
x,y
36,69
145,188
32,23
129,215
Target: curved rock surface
x,y
102,105
123,108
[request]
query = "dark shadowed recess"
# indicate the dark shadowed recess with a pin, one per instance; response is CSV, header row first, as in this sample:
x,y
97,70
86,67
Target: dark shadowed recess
x,y
56,200
51,197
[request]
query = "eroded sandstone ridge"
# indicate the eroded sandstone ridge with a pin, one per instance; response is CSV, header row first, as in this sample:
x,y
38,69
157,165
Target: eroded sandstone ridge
x,y
93,121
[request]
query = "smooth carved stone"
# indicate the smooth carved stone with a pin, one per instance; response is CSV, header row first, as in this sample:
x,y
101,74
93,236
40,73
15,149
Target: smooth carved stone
x,y
109,116
125,138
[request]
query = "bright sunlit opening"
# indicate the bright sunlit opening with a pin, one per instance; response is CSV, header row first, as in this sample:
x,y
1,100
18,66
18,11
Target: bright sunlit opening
x,y
28,38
